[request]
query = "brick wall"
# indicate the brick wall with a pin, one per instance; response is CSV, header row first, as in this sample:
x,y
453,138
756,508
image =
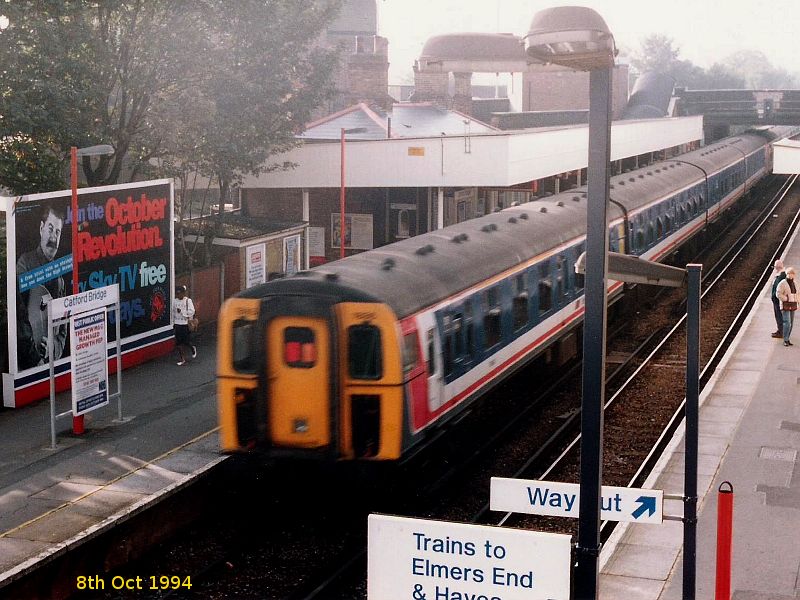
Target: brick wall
x,y
569,90
274,204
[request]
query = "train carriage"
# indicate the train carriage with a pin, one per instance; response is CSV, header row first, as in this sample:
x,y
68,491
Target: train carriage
x,y
361,358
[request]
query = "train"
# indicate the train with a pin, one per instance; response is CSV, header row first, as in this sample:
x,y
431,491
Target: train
x,y
363,358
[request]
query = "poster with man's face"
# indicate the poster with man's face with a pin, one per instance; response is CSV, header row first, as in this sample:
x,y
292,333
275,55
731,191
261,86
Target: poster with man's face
x,y
124,237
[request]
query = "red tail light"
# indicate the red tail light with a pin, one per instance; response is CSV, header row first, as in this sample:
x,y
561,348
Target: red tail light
x,y
292,352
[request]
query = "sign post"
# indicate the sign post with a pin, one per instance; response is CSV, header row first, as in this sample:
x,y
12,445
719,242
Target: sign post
x,y
423,559
558,499
87,313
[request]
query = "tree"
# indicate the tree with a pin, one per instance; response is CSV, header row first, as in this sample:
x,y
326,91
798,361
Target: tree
x,y
220,84
82,73
757,71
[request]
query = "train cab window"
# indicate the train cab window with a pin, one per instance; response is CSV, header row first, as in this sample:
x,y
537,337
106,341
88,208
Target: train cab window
x,y
410,355
299,347
364,352
491,318
520,303
244,359
545,289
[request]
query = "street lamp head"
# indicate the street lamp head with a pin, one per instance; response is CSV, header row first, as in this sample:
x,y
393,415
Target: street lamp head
x,y
100,150
571,36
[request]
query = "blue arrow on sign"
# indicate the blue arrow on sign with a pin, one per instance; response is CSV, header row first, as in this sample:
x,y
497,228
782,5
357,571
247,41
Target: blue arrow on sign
x,y
647,503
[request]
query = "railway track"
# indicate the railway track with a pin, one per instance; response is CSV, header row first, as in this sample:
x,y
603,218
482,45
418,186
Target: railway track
x,y
298,550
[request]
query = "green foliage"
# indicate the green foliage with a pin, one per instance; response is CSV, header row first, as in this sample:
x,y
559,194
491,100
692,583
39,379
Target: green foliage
x,y
214,86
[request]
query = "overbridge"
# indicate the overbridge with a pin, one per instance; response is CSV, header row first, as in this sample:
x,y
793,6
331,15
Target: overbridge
x,y
723,108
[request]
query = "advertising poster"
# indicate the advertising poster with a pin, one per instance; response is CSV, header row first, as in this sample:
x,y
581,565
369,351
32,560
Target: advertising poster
x,y
291,254
124,237
316,242
357,231
89,366
255,265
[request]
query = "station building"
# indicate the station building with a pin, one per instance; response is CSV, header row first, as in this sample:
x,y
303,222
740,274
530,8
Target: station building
x,y
418,168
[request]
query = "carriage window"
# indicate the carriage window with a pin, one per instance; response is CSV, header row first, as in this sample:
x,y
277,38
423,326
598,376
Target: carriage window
x,y
299,347
578,251
432,368
364,352
520,304
470,327
244,359
545,289
410,355
447,344
458,335
491,319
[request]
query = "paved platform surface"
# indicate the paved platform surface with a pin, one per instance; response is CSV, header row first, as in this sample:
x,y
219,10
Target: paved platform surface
x,y
749,436
51,499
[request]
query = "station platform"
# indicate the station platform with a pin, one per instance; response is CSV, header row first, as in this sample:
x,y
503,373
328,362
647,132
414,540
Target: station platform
x,y
54,500
749,436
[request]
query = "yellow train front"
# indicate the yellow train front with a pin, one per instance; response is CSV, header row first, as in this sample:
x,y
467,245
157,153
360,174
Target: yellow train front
x,y
306,369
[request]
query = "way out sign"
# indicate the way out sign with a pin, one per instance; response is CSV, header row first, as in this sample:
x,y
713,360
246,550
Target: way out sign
x,y
417,559
563,500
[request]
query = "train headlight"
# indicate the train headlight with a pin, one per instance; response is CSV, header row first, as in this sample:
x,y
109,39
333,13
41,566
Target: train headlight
x,y
300,426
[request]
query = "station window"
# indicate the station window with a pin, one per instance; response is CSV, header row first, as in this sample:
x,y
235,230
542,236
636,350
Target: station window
x,y
299,347
364,352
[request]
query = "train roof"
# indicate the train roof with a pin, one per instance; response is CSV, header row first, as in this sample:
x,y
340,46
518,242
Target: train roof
x,y
418,272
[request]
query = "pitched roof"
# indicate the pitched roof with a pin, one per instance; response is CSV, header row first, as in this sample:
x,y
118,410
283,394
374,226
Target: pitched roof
x,y
407,120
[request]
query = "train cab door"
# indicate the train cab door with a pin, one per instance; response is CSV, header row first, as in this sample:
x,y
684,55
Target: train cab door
x,y
370,408
298,382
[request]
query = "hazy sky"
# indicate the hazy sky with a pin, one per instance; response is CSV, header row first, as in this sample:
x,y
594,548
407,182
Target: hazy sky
x,y
705,30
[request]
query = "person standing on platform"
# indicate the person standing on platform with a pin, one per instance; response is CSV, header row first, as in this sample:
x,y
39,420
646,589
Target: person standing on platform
x,y
182,312
787,294
780,275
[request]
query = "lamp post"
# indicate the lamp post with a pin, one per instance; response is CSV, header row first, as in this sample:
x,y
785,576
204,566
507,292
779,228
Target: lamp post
x,y
75,152
342,187
578,38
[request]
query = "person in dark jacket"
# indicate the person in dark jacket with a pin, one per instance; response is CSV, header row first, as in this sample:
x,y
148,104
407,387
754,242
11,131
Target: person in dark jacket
x,y
780,275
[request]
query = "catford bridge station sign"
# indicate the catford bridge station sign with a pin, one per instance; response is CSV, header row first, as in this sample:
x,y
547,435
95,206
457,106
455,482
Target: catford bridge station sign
x,y
559,499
